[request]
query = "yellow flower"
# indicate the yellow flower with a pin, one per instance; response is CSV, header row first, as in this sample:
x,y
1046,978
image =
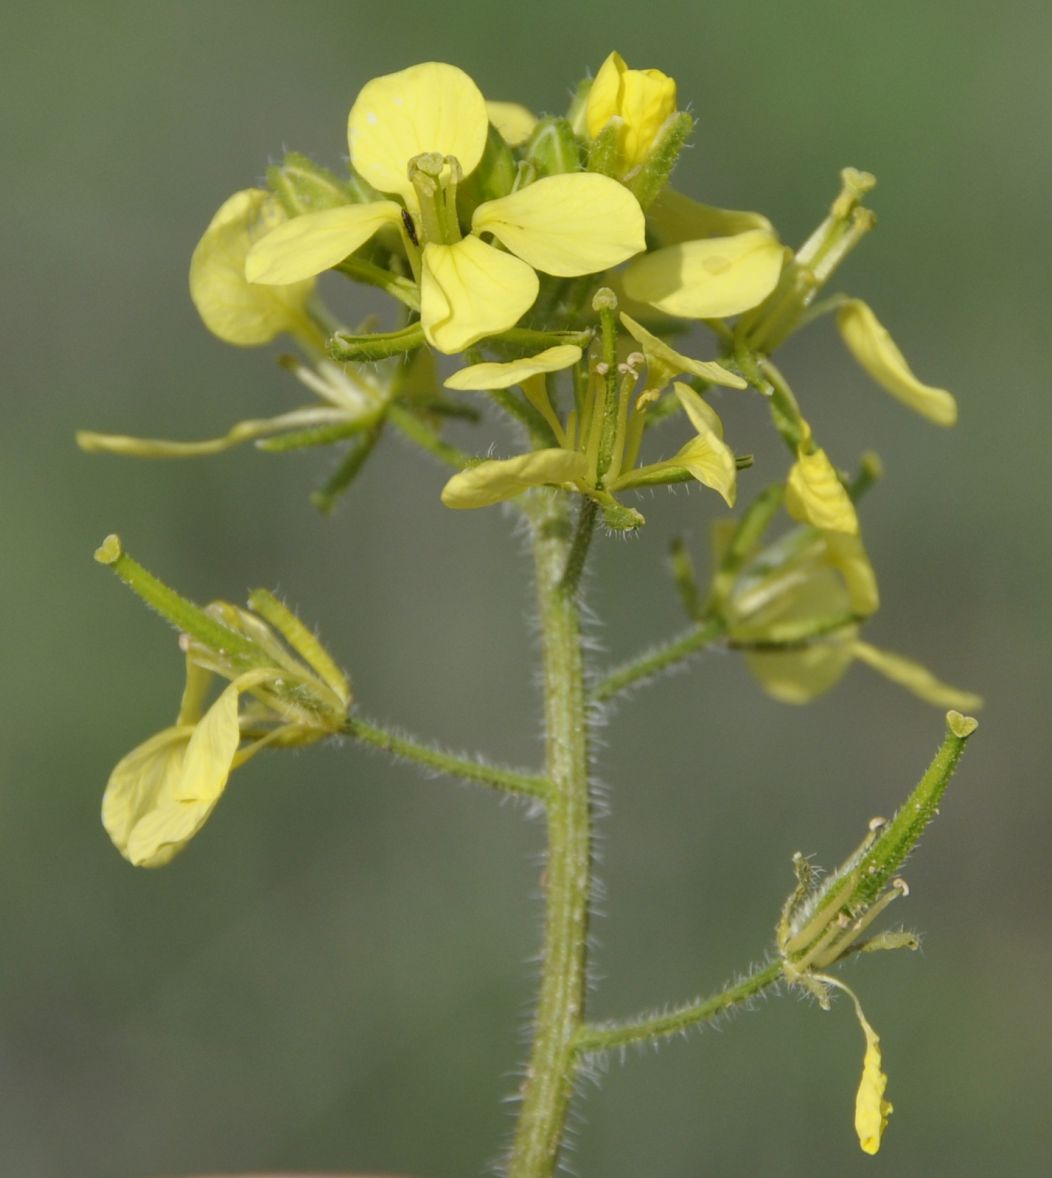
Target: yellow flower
x,y
872,346
573,464
642,101
514,121
161,794
807,592
432,119
231,307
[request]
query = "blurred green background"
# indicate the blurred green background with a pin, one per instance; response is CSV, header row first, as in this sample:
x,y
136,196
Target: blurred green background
x,y
337,974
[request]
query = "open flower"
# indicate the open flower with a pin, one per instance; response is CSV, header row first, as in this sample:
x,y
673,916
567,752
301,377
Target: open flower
x,y
415,134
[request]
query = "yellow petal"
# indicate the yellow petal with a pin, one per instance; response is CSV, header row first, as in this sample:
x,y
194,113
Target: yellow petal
x,y
576,223
498,479
911,675
702,416
470,290
711,462
313,242
708,279
146,774
602,97
799,676
871,1109
180,789
230,307
815,495
676,218
514,122
664,362
431,107
503,376
872,346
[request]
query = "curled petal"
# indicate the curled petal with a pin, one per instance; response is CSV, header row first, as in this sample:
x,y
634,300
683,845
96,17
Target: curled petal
x,y
469,290
431,107
871,1109
708,279
514,122
576,223
497,479
503,376
815,495
872,346
229,305
664,362
313,242
846,554
911,675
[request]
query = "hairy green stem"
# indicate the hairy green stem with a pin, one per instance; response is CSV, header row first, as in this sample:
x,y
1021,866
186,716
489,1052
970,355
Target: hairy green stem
x,y
441,762
646,1028
548,1086
425,437
660,658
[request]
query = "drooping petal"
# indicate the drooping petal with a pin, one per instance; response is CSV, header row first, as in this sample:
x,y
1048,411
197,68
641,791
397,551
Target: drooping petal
x,y
431,107
514,122
676,218
815,495
469,290
872,346
148,773
229,305
503,478
664,362
916,678
708,279
871,1109
799,676
313,242
576,223
503,376
177,810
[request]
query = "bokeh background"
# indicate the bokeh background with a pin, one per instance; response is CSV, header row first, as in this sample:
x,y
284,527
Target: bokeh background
x,y
338,972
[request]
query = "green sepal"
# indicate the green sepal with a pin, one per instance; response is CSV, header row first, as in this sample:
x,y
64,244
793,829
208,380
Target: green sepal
x,y
324,499
604,152
664,153
553,148
322,435
303,186
685,579
375,345
744,542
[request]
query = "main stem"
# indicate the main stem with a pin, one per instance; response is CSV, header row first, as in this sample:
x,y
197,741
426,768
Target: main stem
x,y
548,1088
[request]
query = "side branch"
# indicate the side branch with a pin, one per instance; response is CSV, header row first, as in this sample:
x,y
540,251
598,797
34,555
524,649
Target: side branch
x,y
437,761
598,1037
658,659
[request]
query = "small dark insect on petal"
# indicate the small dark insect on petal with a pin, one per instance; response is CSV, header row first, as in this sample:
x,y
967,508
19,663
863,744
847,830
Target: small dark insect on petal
x,y
410,228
